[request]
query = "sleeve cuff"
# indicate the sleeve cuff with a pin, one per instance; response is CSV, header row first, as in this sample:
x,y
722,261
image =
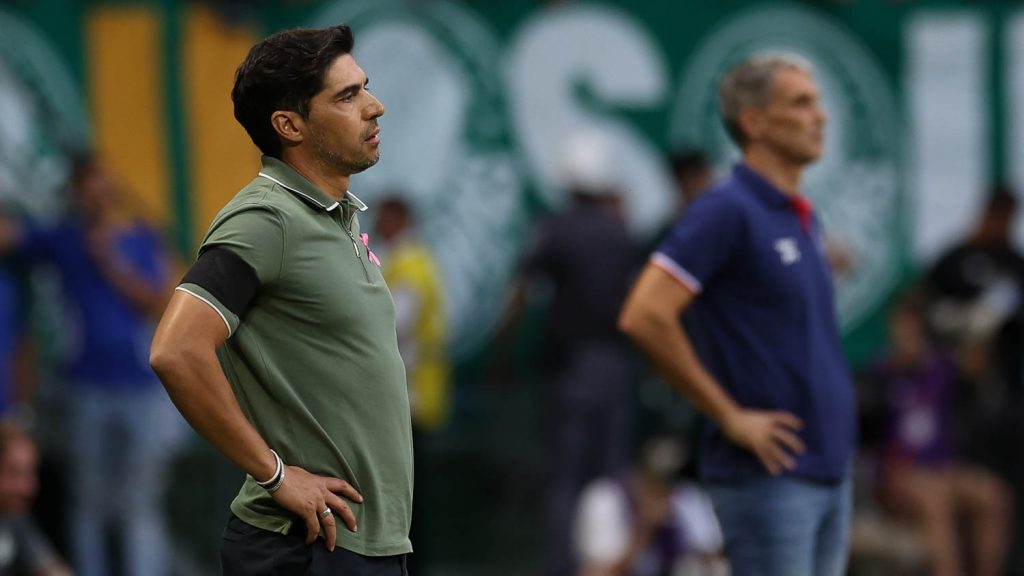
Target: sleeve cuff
x,y
229,318
676,271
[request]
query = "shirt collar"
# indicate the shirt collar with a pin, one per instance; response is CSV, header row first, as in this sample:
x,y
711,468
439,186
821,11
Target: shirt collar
x,y
762,188
285,176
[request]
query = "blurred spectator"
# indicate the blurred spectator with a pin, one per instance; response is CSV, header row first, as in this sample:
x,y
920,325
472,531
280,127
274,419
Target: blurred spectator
x,y
691,173
586,255
645,523
975,307
977,290
921,476
415,282
115,277
24,550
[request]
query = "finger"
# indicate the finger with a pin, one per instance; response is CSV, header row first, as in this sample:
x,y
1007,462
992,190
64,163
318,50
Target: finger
x,y
768,464
312,526
342,510
330,530
780,458
789,440
339,486
788,420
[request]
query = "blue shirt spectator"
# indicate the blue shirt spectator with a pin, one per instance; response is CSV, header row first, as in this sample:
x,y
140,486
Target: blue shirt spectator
x,y
107,335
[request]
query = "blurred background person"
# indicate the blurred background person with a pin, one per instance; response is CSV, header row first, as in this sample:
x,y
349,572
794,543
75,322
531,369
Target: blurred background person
x,y
692,173
416,287
585,255
115,277
24,550
976,290
921,476
975,308
647,522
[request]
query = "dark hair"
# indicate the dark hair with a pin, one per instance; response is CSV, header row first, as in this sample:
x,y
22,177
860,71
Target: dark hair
x,y
396,203
688,161
1001,199
284,72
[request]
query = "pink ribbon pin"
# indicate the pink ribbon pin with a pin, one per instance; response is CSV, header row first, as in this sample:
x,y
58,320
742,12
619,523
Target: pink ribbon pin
x,y
366,242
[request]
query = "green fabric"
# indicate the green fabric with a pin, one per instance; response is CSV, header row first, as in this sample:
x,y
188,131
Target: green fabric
x,y
315,362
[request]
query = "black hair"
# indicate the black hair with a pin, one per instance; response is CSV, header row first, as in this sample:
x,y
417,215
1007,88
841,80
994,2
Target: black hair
x,y
1001,199
284,72
688,161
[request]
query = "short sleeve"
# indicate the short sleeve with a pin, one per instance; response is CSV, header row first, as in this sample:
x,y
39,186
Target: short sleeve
x,y
701,242
257,236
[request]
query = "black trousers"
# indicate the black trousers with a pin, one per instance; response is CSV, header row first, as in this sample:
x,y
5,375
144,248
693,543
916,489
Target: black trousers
x,y
250,551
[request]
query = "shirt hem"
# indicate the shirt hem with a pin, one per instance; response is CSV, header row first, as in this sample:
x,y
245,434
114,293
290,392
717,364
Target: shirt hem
x,y
283,526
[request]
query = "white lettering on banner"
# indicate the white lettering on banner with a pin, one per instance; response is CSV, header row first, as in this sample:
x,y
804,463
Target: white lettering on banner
x,y
558,58
946,102
43,118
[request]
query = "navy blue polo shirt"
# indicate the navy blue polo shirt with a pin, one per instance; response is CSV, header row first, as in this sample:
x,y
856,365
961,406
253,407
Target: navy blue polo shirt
x,y
765,321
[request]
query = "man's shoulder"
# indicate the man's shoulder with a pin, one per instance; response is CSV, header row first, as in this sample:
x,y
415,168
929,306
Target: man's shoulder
x,y
726,201
259,195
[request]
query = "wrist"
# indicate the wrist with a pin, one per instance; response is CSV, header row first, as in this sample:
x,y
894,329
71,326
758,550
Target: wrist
x,y
273,483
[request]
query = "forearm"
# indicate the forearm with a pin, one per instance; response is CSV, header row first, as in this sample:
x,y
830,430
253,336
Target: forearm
x,y
196,384
668,348
142,295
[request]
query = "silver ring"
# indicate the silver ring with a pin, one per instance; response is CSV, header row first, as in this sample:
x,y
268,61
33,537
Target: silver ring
x,y
325,513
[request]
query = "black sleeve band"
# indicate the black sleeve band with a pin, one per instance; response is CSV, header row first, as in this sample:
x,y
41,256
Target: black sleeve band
x,y
227,277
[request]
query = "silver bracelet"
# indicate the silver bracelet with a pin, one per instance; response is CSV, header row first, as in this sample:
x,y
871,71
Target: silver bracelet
x,y
277,485
277,479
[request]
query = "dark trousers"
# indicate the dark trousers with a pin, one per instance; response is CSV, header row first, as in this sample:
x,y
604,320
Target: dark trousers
x,y
250,551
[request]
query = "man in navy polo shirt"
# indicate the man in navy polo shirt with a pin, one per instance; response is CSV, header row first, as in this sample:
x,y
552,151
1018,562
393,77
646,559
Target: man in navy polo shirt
x,y
770,375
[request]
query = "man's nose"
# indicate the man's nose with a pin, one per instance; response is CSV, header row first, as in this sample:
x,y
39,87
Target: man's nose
x,y
376,107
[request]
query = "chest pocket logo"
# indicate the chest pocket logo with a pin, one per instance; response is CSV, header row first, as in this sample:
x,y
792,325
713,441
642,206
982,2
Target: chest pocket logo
x,y
789,251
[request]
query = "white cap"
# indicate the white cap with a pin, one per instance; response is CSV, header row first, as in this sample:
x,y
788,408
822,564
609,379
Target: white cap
x,y
589,164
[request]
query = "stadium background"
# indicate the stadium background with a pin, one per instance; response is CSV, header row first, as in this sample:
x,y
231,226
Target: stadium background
x,y
927,105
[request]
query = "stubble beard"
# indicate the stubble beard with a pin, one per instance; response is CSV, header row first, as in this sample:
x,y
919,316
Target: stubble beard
x,y
333,160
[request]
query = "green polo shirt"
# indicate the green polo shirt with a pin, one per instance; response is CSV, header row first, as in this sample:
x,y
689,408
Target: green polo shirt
x,y
314,363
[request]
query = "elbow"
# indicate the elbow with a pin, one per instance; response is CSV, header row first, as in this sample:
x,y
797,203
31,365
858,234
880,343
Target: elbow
x,y
630,321
641,323
162,359
167,360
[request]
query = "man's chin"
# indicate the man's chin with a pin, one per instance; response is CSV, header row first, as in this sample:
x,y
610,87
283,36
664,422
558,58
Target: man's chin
x,y
368,162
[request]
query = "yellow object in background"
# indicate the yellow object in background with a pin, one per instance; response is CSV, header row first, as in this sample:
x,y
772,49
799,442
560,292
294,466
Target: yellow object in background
x,y
222,158
127,99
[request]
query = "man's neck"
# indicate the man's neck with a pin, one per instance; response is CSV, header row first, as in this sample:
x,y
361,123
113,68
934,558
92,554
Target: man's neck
x,y
785,175
334,185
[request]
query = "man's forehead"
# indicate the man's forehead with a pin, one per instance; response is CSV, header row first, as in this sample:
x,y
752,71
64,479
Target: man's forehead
x,y
791,80
344,71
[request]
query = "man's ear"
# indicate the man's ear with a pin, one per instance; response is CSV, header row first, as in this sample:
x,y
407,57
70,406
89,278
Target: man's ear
x,y
751,122
289,125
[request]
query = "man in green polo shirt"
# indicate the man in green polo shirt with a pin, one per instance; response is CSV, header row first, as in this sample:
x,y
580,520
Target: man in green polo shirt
x,y
279,345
